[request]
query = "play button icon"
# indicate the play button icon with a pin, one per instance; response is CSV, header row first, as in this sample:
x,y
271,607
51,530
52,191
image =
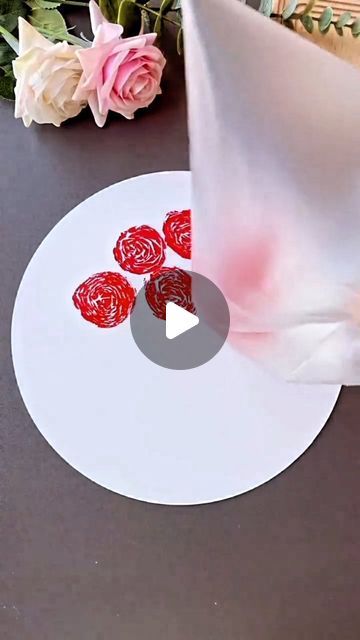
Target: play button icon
x,y
180,320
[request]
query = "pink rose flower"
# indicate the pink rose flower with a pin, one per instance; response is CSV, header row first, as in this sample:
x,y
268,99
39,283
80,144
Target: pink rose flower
x,y
119,74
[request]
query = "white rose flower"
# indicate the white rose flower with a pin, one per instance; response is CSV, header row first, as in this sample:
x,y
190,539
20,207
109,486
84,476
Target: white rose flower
x,y
46,75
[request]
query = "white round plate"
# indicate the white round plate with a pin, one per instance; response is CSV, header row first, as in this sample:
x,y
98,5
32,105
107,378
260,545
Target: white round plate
x,y
159,435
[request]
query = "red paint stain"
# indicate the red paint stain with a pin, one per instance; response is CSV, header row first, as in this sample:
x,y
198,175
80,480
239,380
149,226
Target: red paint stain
x,y
247,273
140,250
105,299
169,284
177,232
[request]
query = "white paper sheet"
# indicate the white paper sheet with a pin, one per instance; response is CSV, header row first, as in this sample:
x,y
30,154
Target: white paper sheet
x,y
275,156
155,434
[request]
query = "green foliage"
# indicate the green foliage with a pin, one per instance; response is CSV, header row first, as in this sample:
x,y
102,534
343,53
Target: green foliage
x,y
43,4
7,54
44,16
355,28
158,25
7,85
307,22
49,21
10,10
129,16
51,24
289,9
309,7
180,42
344,20
289,17
266,7
326,19
109,9
142,16
165,7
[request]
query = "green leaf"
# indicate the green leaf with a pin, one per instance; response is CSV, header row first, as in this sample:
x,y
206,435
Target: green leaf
x,y
12,6
53,26
166,6
10,10
9,21
6,54
266,7
50,21
8,70
355,28
309,7
180,42
290,9
344,19
7,6
43,4
307,22
158,24
7,85
129,16
325,20
109,9
326,30
10,39
176,5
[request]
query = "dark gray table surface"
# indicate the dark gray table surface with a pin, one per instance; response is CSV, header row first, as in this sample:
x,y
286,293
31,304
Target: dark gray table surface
x,y
78,562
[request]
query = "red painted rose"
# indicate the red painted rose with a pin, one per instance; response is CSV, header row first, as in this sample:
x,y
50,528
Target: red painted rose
x,y
169,284
140,250
177,232
105,299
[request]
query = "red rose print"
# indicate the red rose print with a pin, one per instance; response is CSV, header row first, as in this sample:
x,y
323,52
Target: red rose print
x,y
177,232
105,299
140,250
168,284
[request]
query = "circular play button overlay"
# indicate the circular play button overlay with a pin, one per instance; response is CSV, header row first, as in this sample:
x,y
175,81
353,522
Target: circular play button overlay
x,y
181,319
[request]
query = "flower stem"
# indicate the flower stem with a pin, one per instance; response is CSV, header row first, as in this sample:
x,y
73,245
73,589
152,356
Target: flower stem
x,y
156,13
73,3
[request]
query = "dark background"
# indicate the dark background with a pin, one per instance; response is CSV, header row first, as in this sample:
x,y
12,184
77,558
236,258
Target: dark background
x,y
81,563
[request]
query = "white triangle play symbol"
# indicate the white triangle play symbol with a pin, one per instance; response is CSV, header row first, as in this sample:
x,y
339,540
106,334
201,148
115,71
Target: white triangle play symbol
x,y
178,320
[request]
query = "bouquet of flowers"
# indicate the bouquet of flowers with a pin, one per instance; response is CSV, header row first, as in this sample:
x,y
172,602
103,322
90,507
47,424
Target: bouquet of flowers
x,y
54,81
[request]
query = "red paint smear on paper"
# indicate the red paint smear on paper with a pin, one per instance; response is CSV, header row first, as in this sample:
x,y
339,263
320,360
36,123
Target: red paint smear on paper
x,y
169,284
140,250
177,232
247,273
105,299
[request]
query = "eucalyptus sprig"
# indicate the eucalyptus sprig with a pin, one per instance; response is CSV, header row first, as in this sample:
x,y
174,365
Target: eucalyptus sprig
x,y
291,15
